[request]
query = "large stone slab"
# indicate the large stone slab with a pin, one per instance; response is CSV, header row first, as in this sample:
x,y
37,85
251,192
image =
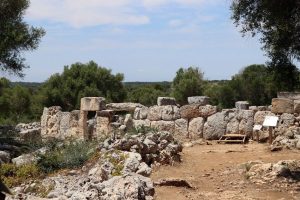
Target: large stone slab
x,y
155,113
125,107
170,113
196,128
202,100
190,111
281,105
215,127
141,123
165,101
247,122
208,110
181,127
141,113
92,103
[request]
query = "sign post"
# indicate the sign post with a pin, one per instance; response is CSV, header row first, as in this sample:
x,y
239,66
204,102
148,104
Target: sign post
x,y
271,122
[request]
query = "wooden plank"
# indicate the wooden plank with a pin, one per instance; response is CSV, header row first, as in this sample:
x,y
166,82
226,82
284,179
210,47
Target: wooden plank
x,y
240,141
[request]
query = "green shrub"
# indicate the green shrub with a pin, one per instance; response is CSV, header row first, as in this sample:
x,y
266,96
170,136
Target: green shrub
x,y
13,175
69,155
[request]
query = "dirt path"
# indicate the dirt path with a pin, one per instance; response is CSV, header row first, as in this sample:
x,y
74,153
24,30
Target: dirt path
x,y
213,171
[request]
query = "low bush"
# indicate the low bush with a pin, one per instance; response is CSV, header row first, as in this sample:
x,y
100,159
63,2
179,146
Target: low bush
x,y
68,155
13,175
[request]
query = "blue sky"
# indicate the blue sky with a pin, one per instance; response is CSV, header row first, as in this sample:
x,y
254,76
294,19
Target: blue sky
x,y
146,40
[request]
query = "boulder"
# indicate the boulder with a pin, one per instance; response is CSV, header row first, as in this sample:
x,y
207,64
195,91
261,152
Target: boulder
x,y
163,125
127,107
202,100
260,116
215,127
170,113
287,120
25,159
141,113
165,101
281,105
196,128
208,110
242,105
232,126
247,122
132,162
129,186
92,103
144,170
190,111
4,157
181,127
155,113
31,135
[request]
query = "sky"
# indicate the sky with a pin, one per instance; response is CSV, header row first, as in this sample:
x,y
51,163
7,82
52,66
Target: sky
x,y
146,40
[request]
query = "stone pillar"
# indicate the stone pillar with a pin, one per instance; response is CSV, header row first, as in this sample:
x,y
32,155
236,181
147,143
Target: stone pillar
x,y
83,125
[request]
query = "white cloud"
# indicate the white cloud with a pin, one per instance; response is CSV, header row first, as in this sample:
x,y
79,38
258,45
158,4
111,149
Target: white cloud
x,y
80,13
175,23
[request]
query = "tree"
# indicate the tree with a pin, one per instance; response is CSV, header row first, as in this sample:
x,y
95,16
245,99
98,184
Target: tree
x,y
277,22
82,80
16,35
187,82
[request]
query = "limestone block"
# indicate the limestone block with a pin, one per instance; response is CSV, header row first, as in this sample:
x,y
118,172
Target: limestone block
x,y
163,125
126,107
64,122
44,120
128,122
297,106
83,129
215,127
102,127
202,100
141,113
232,126
141,123
242,105
181,127
206,111
170,113
165,101
196,128
280,105
190,111
155,113
247,122
286,120
260,116
253,108
92,103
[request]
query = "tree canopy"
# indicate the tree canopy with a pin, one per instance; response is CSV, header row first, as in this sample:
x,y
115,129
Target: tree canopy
x,y
187,82
16,35
277,21
82,80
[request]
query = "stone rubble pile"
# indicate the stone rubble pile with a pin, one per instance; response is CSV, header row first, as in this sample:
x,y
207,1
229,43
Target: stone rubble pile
x,y
153,147
282,172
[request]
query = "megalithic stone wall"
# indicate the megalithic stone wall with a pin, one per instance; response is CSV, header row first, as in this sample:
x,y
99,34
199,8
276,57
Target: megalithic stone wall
x,y
195,120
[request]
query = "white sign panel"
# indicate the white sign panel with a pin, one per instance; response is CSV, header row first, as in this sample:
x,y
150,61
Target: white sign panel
x,y
270,121
257,127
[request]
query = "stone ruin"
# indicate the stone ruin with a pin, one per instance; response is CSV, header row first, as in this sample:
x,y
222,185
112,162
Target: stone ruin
x,y
195,120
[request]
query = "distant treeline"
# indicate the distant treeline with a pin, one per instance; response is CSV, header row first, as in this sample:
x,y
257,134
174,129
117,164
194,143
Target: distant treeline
x,y
24,102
